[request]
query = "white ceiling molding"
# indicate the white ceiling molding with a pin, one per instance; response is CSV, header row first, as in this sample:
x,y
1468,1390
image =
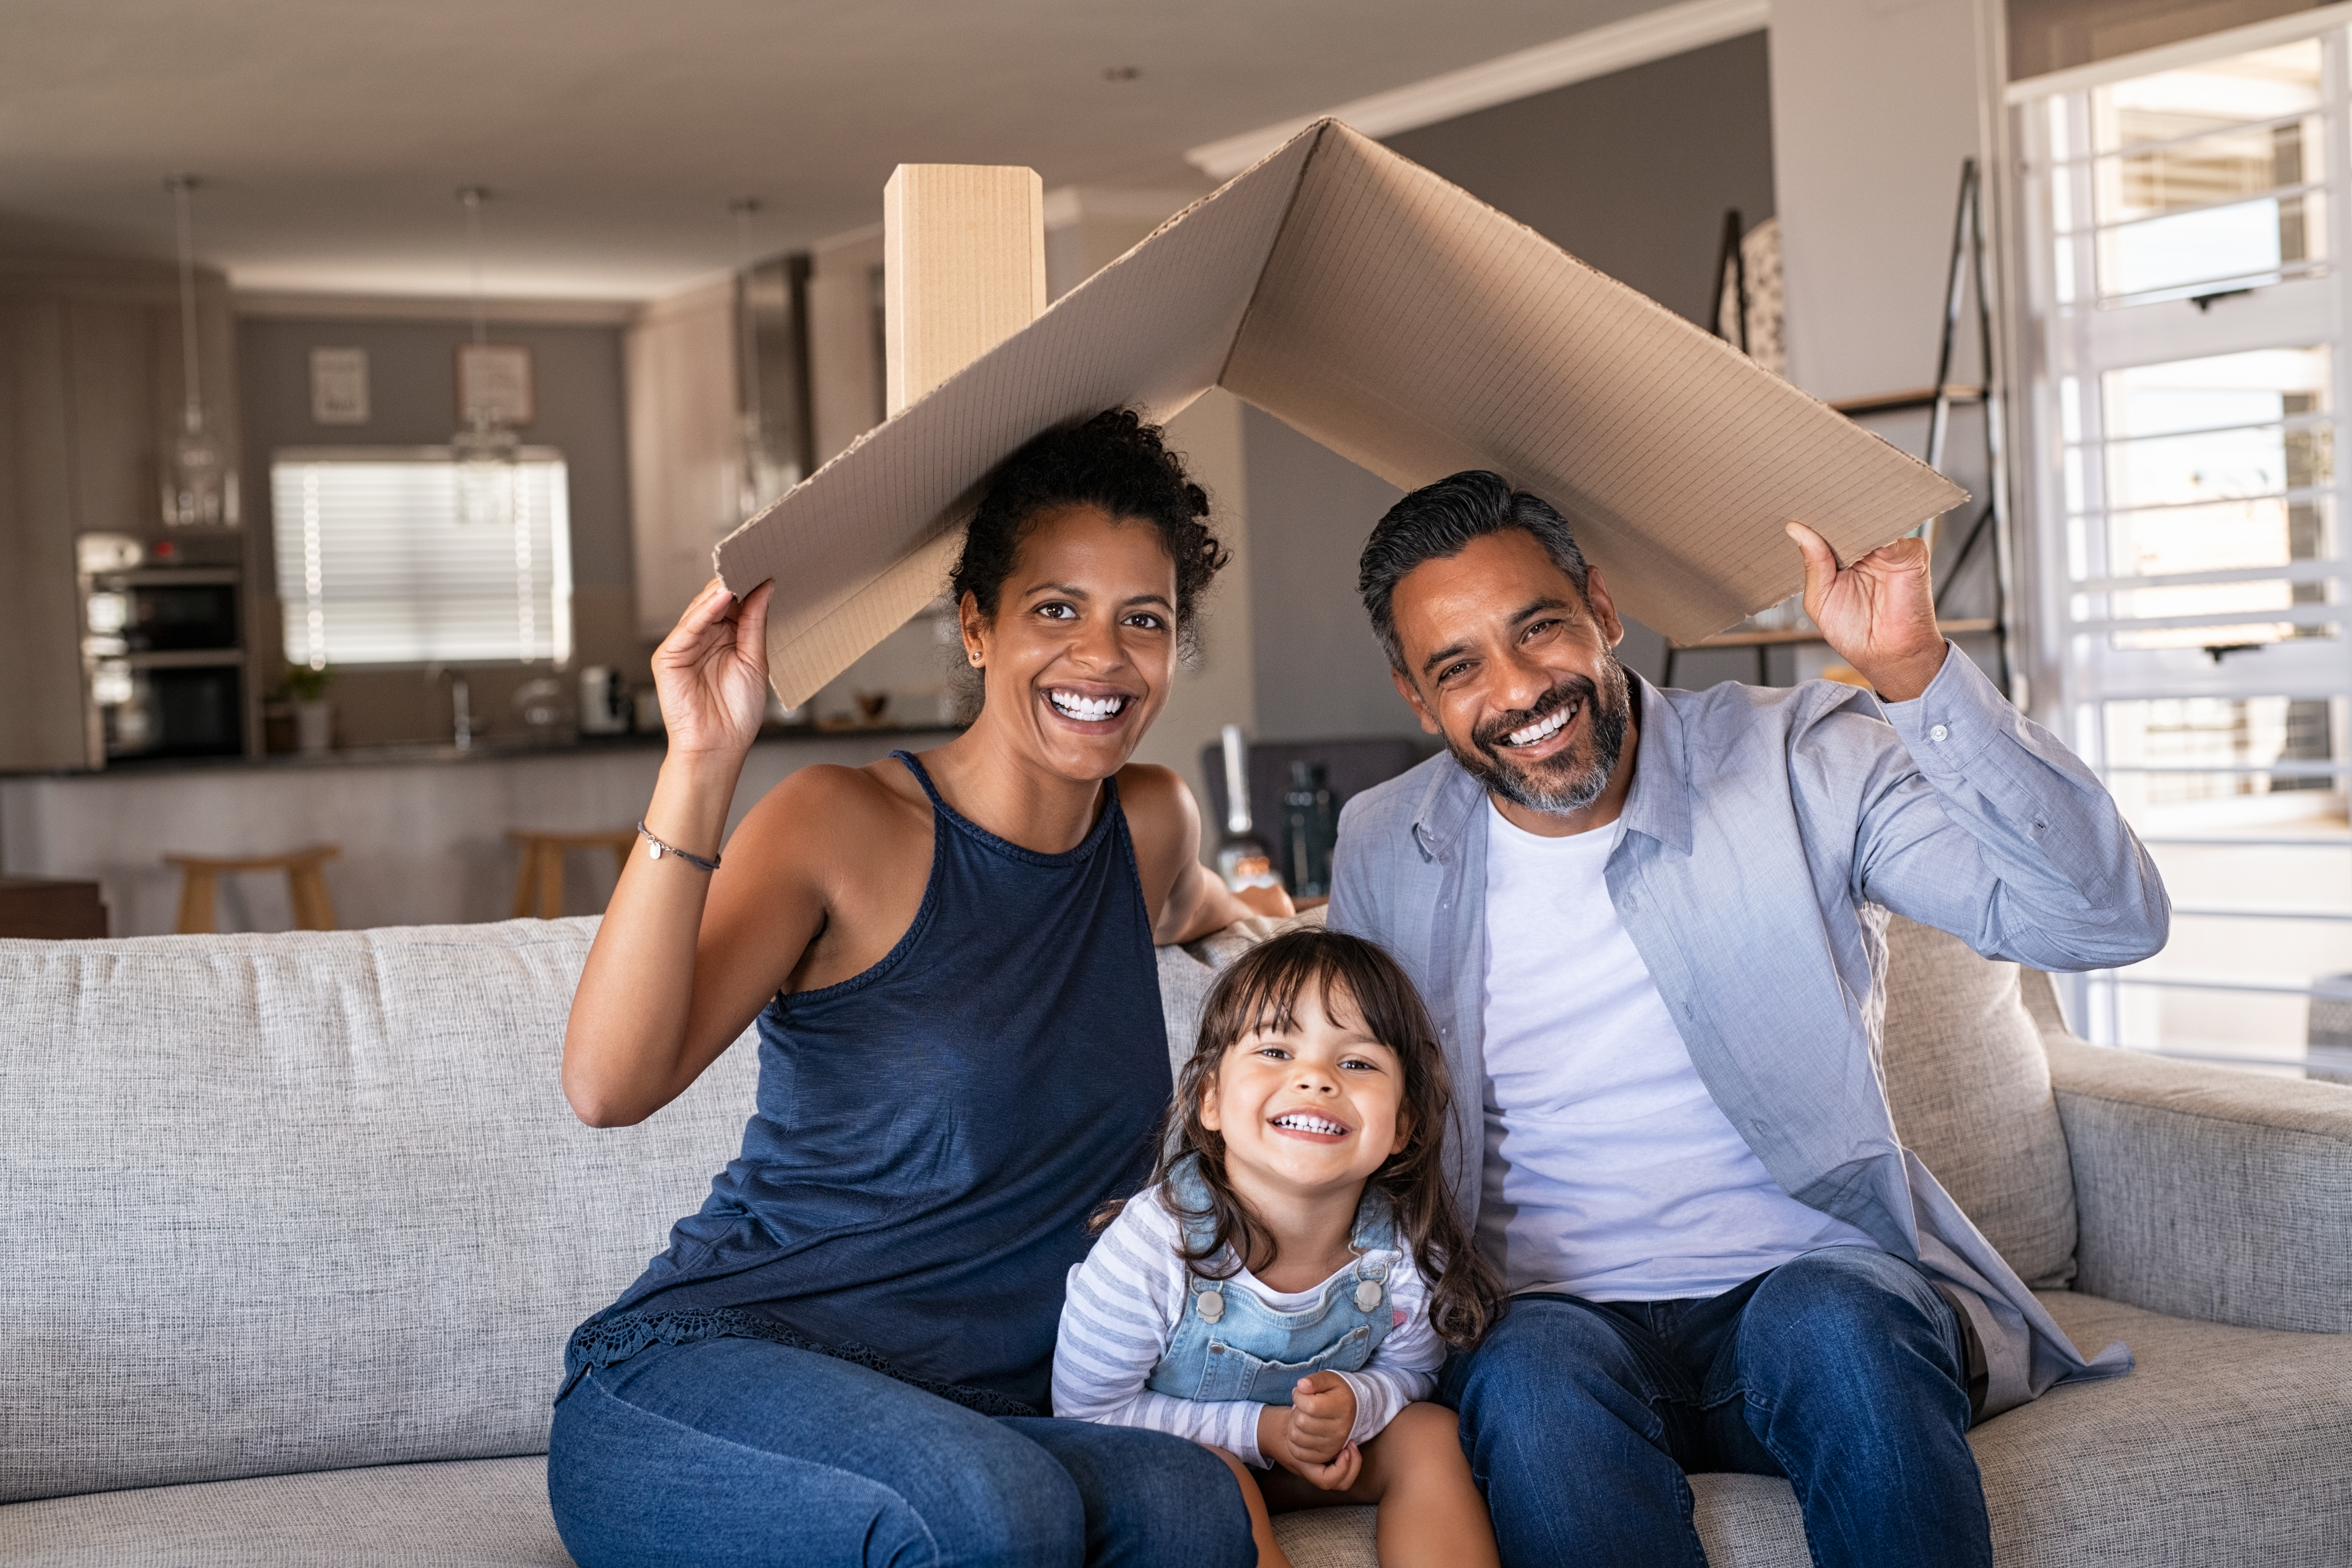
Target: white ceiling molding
x,y
1635,41
295,305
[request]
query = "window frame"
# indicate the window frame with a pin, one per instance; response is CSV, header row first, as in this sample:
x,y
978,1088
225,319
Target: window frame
x,y
2074,667
560,639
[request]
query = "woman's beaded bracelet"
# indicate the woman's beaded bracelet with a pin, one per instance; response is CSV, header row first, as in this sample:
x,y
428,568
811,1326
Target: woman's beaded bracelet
x,y
655,850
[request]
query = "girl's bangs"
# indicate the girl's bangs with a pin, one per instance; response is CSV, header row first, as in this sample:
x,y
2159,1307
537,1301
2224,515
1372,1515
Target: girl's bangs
x,y
1265,996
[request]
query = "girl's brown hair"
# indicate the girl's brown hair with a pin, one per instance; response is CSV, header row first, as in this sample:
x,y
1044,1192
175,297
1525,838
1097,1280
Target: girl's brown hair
x,y
1260,992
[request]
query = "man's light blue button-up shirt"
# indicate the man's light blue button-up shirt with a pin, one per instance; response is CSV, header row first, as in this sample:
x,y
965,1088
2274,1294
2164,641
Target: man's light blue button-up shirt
x,y
1766,832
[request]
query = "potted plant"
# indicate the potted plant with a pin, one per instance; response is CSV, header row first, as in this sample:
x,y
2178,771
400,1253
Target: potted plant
x,y
314,715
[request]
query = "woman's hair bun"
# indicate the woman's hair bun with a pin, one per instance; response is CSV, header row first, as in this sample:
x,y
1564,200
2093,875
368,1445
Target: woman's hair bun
x,y
1114,461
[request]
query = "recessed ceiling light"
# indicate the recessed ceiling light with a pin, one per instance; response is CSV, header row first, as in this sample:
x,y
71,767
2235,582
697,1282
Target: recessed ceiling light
x,y
1121,73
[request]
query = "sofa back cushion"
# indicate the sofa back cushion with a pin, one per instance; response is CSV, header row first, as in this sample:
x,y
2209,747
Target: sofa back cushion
x,y
303,1202
1969,1086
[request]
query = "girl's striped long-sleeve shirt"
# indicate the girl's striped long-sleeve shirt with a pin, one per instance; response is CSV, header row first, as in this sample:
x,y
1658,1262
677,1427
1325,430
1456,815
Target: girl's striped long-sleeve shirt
x,y
1124,1305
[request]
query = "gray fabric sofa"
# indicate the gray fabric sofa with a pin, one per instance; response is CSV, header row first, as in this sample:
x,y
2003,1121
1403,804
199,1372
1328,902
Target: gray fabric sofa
x,y
297,1225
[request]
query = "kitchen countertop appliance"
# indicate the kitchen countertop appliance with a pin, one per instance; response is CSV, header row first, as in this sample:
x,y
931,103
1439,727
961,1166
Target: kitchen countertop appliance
x,y
162,646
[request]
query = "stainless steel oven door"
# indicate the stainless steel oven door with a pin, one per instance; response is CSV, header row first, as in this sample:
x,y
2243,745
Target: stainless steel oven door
x,y
174,711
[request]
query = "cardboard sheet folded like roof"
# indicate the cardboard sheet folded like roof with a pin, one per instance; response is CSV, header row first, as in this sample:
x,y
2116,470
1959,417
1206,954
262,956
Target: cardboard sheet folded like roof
x,y
1409,327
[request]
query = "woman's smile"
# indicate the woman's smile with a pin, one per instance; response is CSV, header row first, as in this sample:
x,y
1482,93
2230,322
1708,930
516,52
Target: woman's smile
x,y
1090,709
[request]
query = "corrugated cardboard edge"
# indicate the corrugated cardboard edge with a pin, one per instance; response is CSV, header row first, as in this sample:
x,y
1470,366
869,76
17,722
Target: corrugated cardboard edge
x,y
1677,459
864,579
856,581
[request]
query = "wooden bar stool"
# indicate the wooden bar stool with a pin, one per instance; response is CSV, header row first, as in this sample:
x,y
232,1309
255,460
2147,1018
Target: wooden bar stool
x,y
539,880
200,881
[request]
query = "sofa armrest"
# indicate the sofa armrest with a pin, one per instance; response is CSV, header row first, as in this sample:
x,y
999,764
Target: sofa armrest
x,y
2206,1192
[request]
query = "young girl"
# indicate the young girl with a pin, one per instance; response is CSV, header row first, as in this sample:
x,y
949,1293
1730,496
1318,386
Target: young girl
x,y
1286,1290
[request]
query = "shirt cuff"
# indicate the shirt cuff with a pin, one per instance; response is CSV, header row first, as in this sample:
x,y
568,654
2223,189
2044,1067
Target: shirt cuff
x,y
1960,714
1378,1400
1244,1442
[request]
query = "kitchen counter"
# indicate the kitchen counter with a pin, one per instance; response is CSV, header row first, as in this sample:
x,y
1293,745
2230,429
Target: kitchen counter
x,y
487,749
421,828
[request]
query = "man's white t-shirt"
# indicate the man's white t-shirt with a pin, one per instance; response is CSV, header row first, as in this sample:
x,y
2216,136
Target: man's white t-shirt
x,y
1611,1173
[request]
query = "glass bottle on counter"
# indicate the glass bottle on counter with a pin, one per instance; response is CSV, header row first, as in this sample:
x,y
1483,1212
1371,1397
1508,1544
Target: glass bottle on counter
x,y
1309,830
1242,859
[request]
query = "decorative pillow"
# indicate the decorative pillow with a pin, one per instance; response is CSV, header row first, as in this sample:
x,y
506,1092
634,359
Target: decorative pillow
x,y
1969,1086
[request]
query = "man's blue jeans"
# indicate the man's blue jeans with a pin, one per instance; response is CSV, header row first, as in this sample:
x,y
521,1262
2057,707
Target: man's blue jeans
x,y
729,1451
1843,1370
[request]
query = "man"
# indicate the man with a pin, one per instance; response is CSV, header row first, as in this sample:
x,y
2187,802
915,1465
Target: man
x,y
1649,926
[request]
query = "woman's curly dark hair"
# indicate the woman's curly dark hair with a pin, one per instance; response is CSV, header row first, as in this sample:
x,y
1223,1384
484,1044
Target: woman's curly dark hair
x,y
1115,461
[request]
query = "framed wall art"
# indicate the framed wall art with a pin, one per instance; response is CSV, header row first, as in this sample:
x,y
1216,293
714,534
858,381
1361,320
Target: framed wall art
x,y
494,384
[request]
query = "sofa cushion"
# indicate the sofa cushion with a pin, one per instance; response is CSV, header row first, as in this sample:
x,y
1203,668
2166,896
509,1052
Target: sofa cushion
x,y
309,1201
2226,1444
1969,1086
474,1513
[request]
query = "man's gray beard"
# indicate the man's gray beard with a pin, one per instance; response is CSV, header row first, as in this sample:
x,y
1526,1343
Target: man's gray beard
x,y
1610,710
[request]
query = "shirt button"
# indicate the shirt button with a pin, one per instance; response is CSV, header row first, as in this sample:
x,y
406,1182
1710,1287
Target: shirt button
x,y
1939,735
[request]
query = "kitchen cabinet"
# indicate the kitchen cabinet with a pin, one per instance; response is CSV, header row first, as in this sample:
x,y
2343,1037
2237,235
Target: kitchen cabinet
x,y
685,450
685,399
90,394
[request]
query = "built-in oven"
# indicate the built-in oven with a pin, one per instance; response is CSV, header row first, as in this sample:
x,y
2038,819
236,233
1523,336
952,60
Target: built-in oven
x,y
163,647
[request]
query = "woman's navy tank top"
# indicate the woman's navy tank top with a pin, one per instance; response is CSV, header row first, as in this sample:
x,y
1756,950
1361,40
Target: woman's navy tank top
x,y
932,1134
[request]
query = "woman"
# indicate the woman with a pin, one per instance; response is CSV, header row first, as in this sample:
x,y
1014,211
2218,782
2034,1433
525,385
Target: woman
x,y
845,1355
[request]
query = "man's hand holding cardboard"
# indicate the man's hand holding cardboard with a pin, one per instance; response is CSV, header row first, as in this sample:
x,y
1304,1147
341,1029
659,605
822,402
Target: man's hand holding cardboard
x,y
1878,614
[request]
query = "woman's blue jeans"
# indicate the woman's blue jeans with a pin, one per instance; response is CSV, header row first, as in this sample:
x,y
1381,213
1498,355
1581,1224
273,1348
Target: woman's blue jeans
x,y
735,1451
1843,1370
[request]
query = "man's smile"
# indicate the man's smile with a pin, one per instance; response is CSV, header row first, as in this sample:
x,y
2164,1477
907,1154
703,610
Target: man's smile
x,y
1533,735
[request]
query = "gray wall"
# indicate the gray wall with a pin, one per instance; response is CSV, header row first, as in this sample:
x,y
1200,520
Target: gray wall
x,y
413,397
1874,107
1630,172
1319,670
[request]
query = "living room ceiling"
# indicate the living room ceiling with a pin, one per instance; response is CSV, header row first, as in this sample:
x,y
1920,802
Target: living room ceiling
x,y
612,134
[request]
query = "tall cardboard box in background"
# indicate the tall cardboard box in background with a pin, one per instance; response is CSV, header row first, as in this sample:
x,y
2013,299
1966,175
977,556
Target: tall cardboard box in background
x,y
1409,327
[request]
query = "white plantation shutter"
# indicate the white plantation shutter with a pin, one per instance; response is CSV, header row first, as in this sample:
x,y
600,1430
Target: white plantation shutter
x,y
375,567
2184,236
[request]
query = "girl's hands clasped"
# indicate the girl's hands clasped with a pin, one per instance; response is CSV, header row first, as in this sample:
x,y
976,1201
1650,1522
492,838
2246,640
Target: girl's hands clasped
x,y
711,671
1308,1437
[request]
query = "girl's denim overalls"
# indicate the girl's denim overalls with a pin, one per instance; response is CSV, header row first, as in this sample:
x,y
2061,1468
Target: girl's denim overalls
x,y
1231,1345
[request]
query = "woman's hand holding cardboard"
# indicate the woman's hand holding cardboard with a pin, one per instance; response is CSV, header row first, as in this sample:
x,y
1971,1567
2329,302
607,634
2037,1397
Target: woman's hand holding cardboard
x,y
711,671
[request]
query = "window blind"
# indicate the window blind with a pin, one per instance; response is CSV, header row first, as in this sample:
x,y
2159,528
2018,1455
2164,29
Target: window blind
x,y
376,564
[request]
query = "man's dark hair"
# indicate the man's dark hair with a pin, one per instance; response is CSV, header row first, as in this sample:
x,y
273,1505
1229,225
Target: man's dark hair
x,y
1436,522
1114,461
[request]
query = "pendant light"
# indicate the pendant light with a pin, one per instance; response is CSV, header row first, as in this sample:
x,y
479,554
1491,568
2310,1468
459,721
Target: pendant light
x,y
487,451
758,479
199,481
